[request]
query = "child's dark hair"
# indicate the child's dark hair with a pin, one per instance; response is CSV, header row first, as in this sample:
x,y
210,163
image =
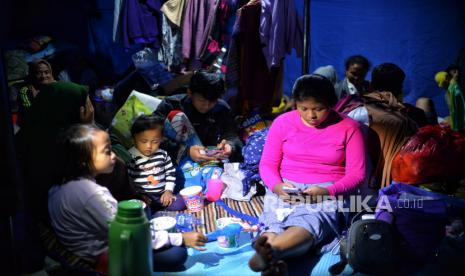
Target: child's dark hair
x,y
75,152
316,87
357,59
146,122
388,77
208,85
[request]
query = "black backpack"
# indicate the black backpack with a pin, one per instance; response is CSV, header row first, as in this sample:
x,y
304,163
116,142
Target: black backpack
x,y
368,247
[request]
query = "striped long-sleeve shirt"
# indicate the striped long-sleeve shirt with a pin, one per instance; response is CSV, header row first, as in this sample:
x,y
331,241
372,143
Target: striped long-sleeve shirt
x,y
153,174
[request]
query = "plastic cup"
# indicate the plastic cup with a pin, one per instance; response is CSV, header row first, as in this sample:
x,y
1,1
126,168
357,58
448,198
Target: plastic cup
x,y
214,190
193,198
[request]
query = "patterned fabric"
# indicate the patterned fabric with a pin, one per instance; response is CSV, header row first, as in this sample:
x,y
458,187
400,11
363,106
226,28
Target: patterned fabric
x,y
179,129
211,212
170,51
58,251
252,153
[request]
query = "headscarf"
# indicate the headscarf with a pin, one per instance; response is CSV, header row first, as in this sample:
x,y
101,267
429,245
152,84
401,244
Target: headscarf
x,y
34,65
328,72
57,106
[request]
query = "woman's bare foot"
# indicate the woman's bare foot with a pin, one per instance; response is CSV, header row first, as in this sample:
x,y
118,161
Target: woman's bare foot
x,y
264,255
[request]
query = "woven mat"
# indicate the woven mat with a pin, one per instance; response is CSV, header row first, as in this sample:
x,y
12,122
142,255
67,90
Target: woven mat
x,y
211,212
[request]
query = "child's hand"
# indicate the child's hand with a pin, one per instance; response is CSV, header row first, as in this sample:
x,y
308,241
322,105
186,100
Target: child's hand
x,y
227,149
194,240
197,153
167,198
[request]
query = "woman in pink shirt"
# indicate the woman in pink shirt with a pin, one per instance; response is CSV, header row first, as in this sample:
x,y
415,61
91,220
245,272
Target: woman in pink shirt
x,y
310,154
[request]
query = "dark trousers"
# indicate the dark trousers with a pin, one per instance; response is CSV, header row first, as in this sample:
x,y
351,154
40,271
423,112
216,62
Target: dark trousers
x,y
164,259
169,259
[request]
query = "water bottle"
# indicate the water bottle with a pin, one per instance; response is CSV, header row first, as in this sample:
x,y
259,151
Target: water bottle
x,y
130,247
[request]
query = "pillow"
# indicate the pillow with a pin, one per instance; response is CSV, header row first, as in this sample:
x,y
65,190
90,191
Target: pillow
x,y
136,105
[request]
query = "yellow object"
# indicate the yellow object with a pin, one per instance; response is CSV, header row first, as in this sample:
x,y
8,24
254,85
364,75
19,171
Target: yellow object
x,y
280,108
441,79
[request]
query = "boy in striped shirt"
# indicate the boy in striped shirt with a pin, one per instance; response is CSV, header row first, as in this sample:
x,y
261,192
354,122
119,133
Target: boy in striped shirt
x,y
151,170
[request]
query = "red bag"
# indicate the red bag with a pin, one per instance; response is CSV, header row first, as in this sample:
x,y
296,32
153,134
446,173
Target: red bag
x,y
433,153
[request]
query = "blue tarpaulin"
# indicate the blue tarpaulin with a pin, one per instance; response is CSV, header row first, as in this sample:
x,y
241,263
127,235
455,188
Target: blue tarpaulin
x,y
421,36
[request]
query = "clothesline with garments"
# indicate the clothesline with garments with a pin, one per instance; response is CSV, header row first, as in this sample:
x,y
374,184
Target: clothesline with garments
x,y
254,37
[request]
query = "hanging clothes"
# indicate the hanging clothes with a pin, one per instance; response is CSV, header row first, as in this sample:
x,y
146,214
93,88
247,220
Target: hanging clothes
x,y
281,30
117,21
139,23
170,52
171,45
199,18
259,87
173,10
220,35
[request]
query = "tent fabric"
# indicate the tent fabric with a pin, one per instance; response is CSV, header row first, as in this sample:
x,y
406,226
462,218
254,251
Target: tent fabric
x,y
421,36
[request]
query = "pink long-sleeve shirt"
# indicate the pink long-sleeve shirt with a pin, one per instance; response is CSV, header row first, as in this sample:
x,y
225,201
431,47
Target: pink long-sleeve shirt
x,y
333,152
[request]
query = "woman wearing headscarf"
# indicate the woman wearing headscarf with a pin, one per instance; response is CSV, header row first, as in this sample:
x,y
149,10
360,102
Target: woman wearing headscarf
x,y
40,74
57,106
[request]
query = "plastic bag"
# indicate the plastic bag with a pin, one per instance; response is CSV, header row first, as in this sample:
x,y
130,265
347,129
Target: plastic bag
x,y
434,153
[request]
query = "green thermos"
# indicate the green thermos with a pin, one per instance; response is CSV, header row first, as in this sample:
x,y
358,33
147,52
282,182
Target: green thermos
x,y
129,241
